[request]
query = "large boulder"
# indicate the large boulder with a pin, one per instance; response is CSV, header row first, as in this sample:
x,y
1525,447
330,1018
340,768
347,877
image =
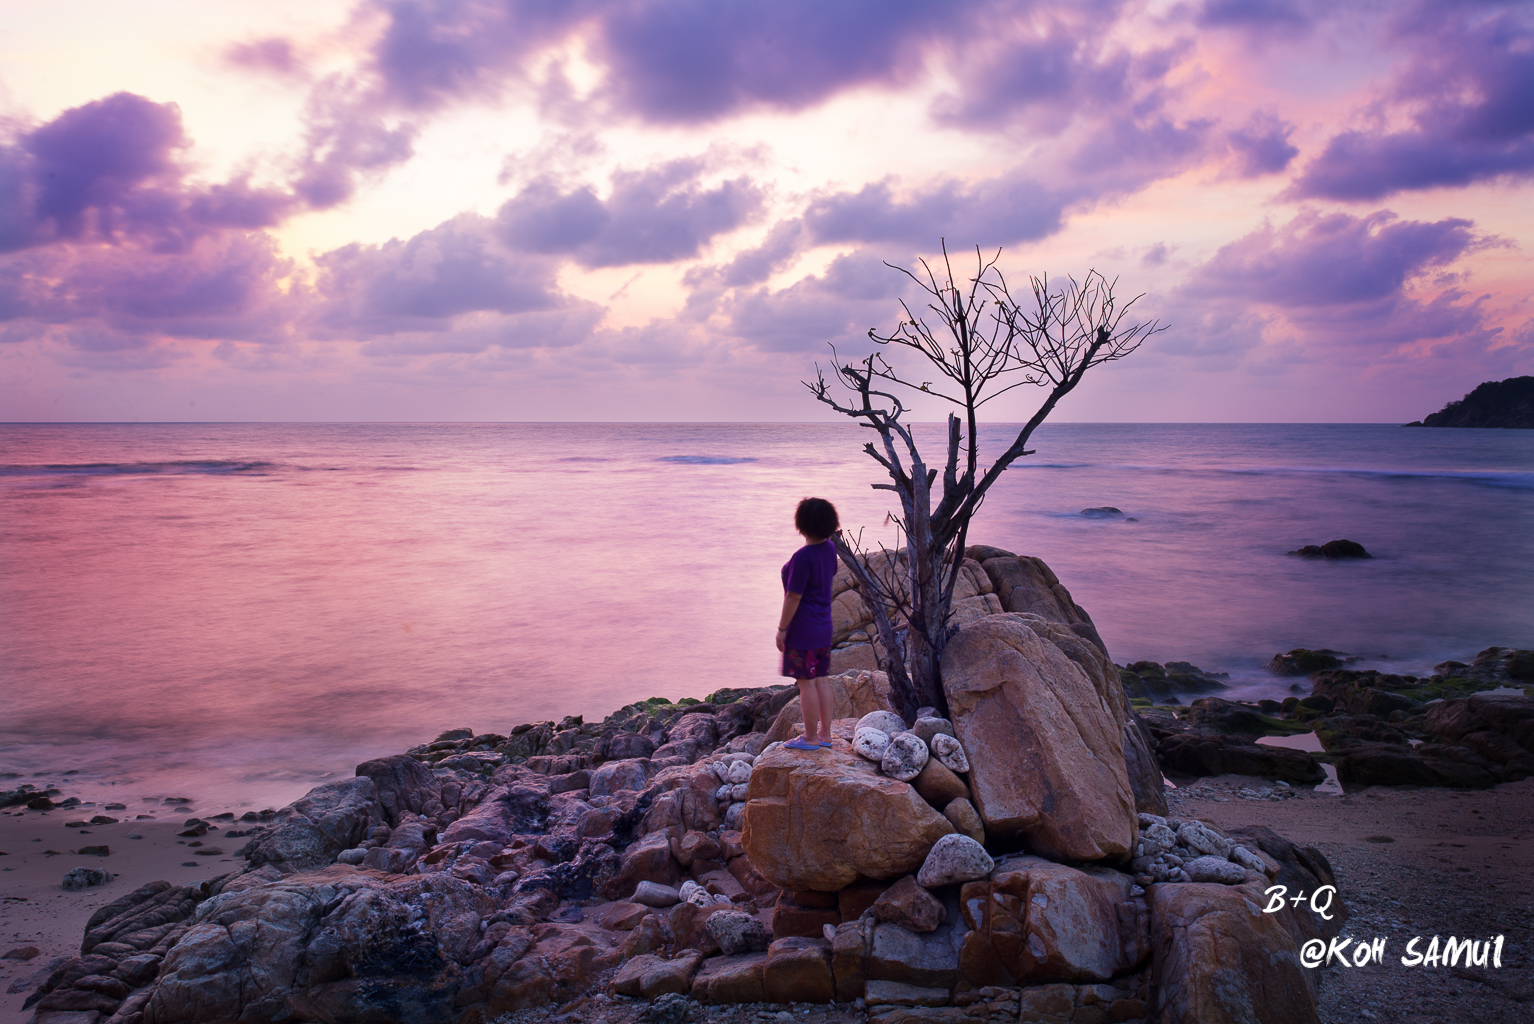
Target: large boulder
x,y
819,820
1025,584
1045,744
1218,959
313,829
853,695
1036,921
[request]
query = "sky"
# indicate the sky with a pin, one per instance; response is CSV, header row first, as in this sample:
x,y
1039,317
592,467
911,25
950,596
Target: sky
x,y
436,210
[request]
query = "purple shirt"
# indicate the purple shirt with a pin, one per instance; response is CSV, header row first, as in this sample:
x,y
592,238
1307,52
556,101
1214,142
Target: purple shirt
x,y
809,573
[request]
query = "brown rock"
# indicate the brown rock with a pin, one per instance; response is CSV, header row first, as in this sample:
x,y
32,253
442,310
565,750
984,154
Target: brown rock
x,y
1041,921
622,917
789,918
694,846
858,897
687,926
964,818
939,786
1045,746
909,905
730,979
650,976
647,860
729,844
1219,960
819,822
751,880
814,898
853,695
798,971
930,960
849,958
652,933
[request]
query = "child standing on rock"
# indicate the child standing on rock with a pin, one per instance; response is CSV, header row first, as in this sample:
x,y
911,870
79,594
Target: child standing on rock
x,y
804,627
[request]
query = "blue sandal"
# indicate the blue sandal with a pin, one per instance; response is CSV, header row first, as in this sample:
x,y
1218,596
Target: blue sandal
x,y
798,743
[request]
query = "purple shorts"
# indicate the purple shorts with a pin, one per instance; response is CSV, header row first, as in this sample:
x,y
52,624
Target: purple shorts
x,y
806,664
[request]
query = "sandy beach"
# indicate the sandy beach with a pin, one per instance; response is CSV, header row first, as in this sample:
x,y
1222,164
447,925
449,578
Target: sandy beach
x,y
36,911
1409,862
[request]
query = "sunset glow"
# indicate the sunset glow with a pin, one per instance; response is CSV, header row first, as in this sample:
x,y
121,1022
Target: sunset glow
x,y
666,209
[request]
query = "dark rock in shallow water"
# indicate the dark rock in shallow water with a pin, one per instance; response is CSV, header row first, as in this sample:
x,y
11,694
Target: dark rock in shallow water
x,y
1504,664
1302,661
1150,681
1201,754
1105,512
1333,549
1497,403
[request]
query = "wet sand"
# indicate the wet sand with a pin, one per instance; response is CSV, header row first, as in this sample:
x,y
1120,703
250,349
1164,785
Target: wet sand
x,y
35,910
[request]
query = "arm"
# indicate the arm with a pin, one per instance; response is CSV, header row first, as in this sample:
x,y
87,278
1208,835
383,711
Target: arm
x,y
790,606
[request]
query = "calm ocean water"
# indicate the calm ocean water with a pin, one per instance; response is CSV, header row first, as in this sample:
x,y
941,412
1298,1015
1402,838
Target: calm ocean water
x,y
233,612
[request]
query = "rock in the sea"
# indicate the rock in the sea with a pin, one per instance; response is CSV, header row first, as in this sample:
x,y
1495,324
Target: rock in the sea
x,y
949,753
905,757
1103,512
1302,661
1044,738
818,823
870,743
737,932
1333,549
954,859
886,722
83,878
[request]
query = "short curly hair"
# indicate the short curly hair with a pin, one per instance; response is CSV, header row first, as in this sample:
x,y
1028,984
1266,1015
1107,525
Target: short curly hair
x,y
816,517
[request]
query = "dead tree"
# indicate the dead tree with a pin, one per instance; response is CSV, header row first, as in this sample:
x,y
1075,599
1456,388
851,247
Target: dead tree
x,y
982,338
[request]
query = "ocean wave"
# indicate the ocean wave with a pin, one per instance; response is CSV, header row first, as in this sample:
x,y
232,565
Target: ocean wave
x,y
218,467
704,460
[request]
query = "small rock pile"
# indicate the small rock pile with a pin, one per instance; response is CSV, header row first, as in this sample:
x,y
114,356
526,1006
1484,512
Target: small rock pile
x,y
1170,850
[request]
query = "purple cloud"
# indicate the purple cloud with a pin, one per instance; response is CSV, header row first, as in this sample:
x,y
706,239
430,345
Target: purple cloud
x,y
856,292
657,215
454,268
1263,15
996,211
1262,145
1322,260
109,171
1469,94
1340,284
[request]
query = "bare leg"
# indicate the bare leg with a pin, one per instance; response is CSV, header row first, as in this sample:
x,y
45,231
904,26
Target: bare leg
x,y
827,708
809,707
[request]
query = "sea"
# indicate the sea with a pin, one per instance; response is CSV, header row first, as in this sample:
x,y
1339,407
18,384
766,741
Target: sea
x,y
234,613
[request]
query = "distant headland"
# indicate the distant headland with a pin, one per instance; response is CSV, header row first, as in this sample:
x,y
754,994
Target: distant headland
x,y
1496,403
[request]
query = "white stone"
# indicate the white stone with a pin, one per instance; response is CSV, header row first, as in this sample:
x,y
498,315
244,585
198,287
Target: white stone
x,y
739,790
885,721
737,932
1156,839
905,757
692,892
870,743
1247,859
1197,836
733,813
954,859
740,771
949,753
929,727
1215,869
723,792
653,894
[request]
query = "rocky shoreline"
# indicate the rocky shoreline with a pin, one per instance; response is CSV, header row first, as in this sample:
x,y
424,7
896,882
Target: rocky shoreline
x,y
675,859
